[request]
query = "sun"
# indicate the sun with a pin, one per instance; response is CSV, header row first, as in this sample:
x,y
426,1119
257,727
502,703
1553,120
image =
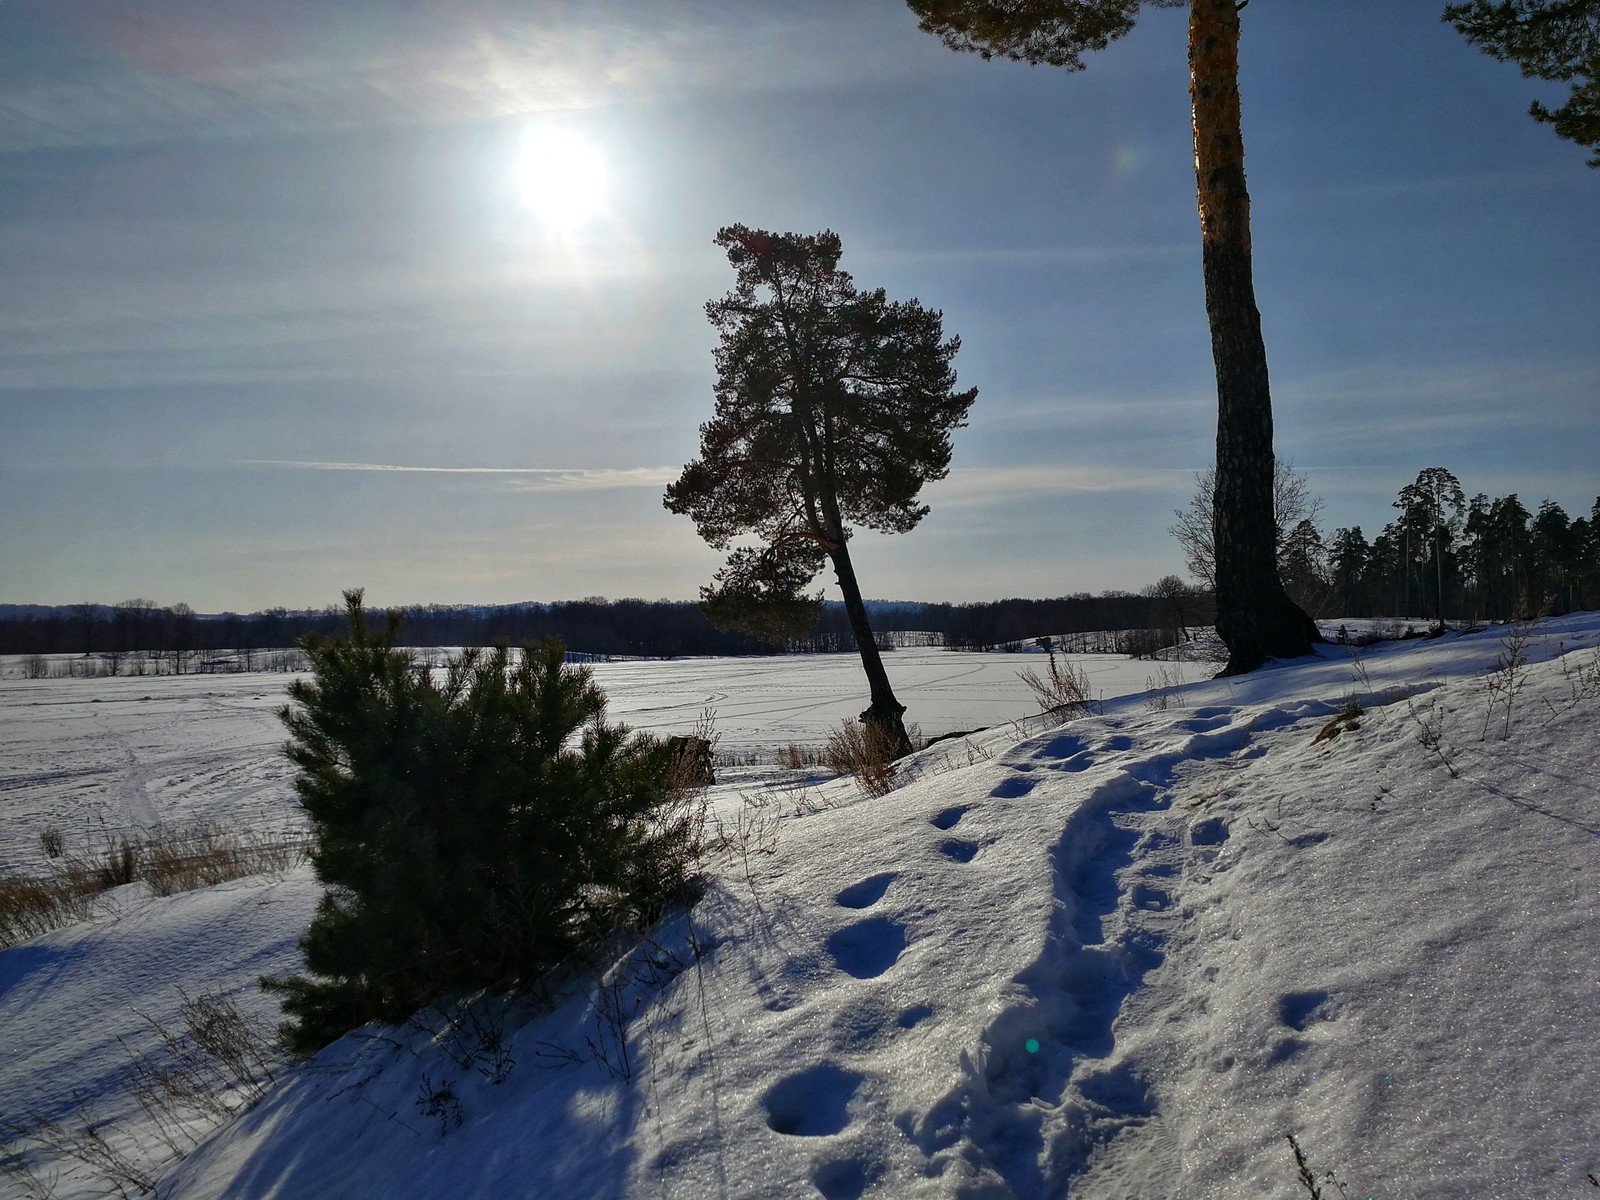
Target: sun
x,y
562,176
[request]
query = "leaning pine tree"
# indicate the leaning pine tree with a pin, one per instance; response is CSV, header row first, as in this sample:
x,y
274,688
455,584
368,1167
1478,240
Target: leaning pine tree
x,y
471,831
833,408
1255,617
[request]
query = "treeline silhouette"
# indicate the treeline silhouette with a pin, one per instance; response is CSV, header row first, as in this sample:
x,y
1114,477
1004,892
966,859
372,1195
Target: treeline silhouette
x,y
140,629
1447,557
991,624
595,626
1443,556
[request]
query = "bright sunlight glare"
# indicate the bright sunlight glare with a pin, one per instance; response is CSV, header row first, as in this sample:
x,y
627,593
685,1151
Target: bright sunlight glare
x,y
562,176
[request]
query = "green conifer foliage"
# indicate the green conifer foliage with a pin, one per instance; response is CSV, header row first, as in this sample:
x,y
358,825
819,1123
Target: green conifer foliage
x,y
472,830
1557,40
833,407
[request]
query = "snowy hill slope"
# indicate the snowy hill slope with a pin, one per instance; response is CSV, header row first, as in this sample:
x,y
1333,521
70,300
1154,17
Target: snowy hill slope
x,y
1125,957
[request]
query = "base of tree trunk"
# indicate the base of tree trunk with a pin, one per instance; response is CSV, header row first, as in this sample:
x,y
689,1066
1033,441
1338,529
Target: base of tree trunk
x,y
889,721
1272,627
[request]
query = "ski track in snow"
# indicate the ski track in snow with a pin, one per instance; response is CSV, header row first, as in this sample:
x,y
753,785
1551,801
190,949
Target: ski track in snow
x,y
102,759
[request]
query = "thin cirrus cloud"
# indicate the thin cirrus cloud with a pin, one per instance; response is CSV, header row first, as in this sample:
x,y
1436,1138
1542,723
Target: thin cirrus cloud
x,y
531,479
1083,254
1379,409
1481,385
967,486
121,74
963,486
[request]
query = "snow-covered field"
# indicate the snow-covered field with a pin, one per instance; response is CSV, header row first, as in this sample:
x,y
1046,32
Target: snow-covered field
x,y
94,757
1122,958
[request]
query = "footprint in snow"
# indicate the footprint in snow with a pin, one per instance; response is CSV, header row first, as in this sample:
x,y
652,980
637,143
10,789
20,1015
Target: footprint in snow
x,y
1300,1010
1120,1091
914,1016
812,1103
872,1021
843,1179
868,948
1305,840
868,892
1060,747
1286,1049
950,817
1144,896
1010,789
1078,762
959,849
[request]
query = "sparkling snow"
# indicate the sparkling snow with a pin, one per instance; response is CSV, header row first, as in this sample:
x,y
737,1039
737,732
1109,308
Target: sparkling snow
x,y
1125,957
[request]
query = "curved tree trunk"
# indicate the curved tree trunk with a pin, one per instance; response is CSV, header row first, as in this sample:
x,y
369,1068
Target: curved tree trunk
x,y
885,712
1255,617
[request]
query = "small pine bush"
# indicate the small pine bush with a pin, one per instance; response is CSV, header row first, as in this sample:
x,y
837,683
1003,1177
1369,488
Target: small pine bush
x,y
472,828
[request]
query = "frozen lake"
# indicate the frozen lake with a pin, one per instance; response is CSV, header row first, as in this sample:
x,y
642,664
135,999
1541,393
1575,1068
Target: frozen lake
x,y
97,756
764,703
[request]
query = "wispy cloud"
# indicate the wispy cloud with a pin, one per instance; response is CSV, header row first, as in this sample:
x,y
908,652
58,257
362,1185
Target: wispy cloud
x,y
1136,410
533,479
1471,383
964,485
1456,184
186,68
1377,407
604,479
970,486
1109,253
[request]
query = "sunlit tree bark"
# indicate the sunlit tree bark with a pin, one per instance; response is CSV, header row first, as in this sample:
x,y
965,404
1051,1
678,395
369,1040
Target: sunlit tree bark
x,y
1255,616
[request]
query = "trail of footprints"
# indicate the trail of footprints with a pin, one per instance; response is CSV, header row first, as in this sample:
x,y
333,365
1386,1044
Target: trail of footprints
x,y
1052,1044
815,1102
1051,1050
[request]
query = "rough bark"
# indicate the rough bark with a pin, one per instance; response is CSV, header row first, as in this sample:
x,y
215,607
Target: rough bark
x,y
1255,617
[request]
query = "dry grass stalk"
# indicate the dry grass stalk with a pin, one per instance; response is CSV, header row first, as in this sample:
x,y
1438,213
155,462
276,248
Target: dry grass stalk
x,y
166,859
864,751
30,907
1062,692
205,854
797,757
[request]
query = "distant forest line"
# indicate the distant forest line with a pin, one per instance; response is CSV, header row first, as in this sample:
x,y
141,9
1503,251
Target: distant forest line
x,y
654,629
1442,557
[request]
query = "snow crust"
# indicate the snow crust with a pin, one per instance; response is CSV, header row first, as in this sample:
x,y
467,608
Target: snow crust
x,y
1124,957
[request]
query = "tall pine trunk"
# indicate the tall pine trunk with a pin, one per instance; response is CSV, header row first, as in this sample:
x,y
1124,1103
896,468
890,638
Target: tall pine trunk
x,y
1255,617
885,713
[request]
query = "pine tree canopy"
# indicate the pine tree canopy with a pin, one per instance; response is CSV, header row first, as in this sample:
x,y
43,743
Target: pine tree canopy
x,y
1055,33
1558,40
833,407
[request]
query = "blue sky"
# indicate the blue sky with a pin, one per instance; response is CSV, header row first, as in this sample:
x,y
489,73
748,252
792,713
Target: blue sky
x,y
254,257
